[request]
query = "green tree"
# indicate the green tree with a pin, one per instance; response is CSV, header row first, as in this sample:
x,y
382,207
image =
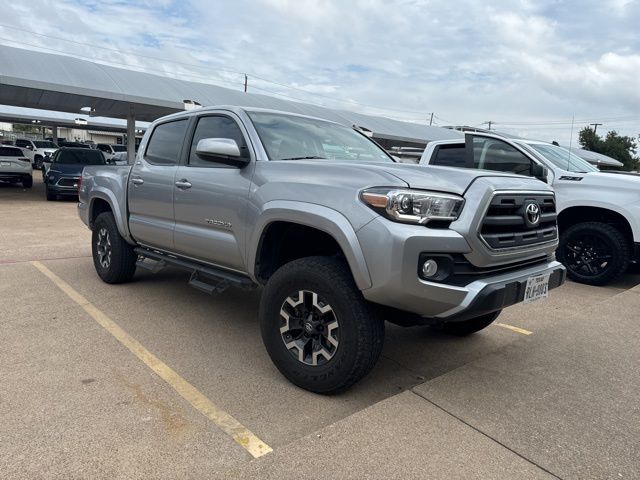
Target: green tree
x,y
622,148
23,128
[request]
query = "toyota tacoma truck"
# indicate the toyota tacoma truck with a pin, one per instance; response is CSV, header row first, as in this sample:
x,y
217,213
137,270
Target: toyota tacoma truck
x,y
339,236
598,212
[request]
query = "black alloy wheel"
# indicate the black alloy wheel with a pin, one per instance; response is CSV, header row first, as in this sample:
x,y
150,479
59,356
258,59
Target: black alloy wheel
x,y
594,253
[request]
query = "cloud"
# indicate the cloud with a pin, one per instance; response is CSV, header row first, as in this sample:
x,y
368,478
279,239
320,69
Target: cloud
x,y
467,61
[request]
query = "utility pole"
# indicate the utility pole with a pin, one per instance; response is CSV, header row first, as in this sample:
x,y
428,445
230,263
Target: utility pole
x,y
595,126
431,120
490,122
245,83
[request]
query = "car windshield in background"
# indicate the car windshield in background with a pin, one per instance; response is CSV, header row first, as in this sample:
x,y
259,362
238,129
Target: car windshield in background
x,y
44,144
80,157
288,137
119,148
563,158
11,152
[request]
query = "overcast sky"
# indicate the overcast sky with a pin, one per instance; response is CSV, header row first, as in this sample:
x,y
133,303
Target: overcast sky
x,y
528,66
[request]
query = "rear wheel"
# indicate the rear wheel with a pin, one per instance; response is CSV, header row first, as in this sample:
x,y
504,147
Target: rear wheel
x,y
473,325
27,182
594,253
317,327
113,258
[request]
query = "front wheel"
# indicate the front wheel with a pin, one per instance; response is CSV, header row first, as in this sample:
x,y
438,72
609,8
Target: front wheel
x,y
317,327
594,253
113,258
473,325
47,193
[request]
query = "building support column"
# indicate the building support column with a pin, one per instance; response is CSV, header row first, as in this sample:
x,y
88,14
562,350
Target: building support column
x,y
54,134
131,135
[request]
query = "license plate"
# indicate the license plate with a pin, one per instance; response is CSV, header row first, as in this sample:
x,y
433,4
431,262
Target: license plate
x,y
5,164
537,288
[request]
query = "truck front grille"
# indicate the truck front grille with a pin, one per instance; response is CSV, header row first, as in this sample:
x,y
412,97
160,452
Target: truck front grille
x,y
511,221
68,182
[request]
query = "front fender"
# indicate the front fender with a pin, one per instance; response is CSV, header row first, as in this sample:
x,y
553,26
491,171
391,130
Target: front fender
x,y
326,219
629,210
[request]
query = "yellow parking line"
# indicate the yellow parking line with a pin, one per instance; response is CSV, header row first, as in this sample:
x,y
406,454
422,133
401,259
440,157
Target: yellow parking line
x,y
191,394
515,329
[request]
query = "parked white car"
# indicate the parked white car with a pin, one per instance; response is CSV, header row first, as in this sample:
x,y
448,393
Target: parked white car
x,y
598,212
110,150
36,150
15,166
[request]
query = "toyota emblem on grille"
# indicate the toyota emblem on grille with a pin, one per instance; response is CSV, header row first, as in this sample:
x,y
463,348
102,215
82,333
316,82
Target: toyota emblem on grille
x,y
532,214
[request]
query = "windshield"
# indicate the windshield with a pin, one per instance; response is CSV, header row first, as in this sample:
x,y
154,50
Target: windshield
x,y
287,137
80,157
44,144
119,148
562,158
10,152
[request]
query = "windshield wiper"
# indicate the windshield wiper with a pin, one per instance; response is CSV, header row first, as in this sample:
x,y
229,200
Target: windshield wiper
x,y
309,157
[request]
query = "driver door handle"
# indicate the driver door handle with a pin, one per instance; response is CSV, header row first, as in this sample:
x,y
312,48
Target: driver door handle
x,y
183,184
137,181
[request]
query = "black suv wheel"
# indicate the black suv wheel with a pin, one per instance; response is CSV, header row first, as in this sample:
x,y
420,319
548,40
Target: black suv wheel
x,y
317,327
594,253
113,258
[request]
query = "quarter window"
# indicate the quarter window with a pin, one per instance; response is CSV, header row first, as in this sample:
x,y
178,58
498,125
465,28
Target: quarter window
x,y
216,127
450,156
166,143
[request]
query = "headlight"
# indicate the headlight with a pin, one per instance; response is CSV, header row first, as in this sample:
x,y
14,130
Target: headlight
x,y
413,206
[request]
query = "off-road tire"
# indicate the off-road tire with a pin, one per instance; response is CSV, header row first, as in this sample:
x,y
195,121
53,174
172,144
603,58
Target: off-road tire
x,y
27,182
467,327
360,327
617,247
50,196
122,258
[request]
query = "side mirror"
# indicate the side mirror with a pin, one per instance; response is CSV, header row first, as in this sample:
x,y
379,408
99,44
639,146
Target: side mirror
x,y
222,150
540,172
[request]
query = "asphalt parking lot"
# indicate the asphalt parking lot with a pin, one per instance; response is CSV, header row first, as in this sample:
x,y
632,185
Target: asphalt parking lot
x,y
139,380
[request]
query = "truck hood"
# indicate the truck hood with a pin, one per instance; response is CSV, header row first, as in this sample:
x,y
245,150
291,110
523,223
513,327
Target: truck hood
x,y
444,179
611,180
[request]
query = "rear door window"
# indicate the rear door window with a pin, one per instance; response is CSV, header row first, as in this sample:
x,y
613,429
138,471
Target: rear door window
x,y
165,143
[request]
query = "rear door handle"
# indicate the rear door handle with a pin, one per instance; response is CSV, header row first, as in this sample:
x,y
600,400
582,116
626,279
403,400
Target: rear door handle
x,y
137,181
183,184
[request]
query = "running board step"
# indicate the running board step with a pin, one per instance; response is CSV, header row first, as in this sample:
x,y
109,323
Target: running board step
x,y
207,284
154,266
206,278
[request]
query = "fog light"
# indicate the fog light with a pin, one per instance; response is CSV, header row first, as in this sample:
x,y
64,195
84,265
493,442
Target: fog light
x,y
429,268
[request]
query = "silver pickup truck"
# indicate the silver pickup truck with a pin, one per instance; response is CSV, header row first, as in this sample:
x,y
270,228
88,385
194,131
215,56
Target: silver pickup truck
x,y
340,237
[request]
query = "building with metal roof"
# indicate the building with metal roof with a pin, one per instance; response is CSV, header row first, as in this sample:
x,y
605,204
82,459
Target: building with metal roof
x,y
62,83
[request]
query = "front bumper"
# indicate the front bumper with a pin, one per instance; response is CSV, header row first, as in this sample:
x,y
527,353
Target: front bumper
x,y
71,189
392,253
497,294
